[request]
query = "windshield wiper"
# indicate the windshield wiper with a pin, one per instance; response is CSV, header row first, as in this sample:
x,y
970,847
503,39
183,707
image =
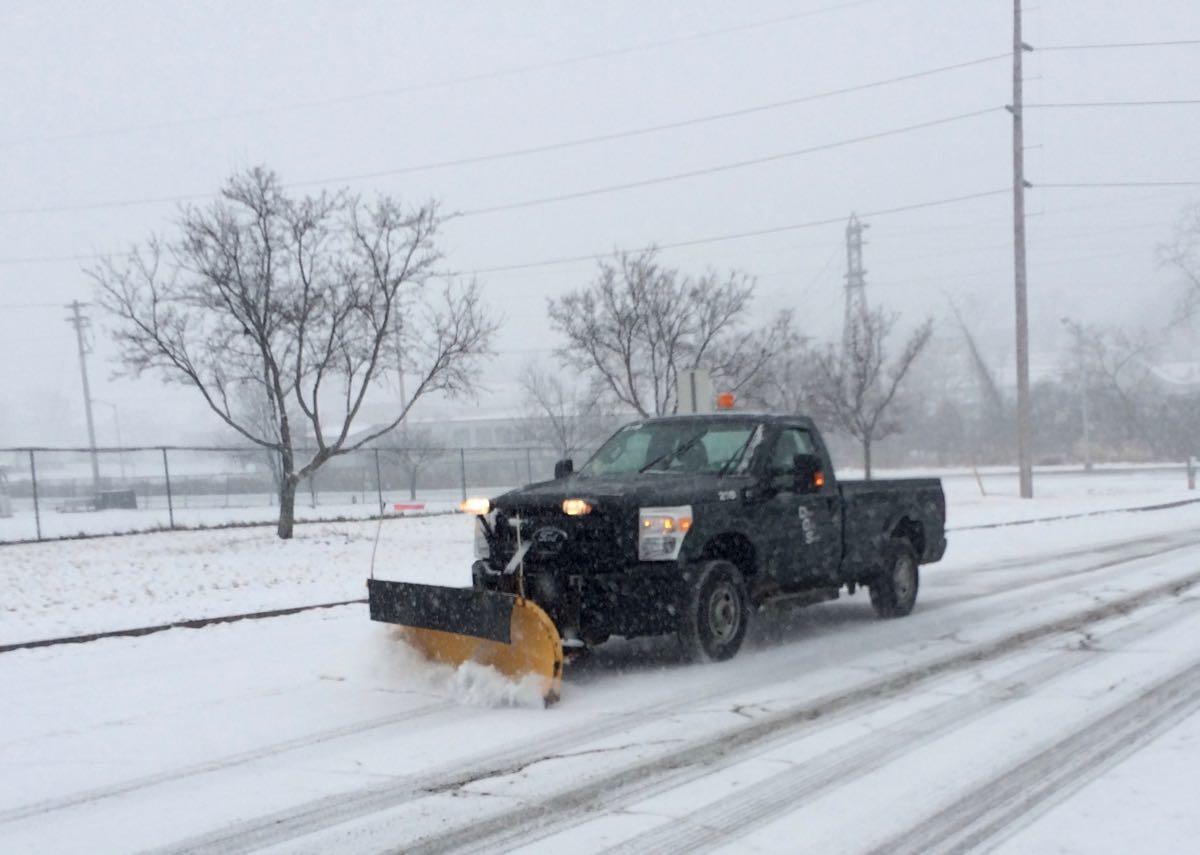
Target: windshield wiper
x,y
679,449
738,456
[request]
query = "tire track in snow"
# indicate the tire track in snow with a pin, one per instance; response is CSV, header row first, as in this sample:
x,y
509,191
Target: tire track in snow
x,y
1161,506
991,809
1125,550
531,820
720,823
120,788
328,811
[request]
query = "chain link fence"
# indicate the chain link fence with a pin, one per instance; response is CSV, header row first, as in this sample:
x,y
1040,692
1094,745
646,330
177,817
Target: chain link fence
x,y
50,493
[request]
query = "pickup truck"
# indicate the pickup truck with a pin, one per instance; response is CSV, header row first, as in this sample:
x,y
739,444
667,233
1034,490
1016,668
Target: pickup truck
x,y
688,524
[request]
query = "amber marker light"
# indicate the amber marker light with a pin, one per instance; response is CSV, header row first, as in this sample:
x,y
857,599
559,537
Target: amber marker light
x,y
476,506
819,480
576,507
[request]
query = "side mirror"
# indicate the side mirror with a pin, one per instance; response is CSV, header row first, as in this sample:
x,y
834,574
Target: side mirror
x,y
563,468
808,473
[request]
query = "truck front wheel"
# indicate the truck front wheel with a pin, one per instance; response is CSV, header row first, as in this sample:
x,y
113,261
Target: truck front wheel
x,y
715,613
894,590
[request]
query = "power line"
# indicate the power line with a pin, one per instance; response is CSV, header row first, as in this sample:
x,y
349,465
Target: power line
x,y
1005,271
739,235
61,259
892,234
725,167
1118,45
112,203
1041,243
702,241
1158,103
1107,206
1093,184
451,81
651,129
190,197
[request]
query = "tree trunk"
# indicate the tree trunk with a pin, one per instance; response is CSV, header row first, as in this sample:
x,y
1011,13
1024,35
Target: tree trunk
x,y
412,486
866,444
287,508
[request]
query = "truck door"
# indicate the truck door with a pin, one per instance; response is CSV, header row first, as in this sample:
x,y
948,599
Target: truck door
x,y
807,547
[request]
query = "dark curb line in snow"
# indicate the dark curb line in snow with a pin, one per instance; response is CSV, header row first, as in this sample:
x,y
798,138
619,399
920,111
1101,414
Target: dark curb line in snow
x,y
407,515
1160,507
196,623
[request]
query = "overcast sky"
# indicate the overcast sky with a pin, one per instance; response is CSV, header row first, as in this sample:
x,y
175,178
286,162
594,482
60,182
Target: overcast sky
x,y
125,102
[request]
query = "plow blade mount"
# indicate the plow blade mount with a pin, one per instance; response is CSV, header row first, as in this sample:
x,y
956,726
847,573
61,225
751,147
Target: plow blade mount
x,y
456,625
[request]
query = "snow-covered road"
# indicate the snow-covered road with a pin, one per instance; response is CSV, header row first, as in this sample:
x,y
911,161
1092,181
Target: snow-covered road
x,y
1047,685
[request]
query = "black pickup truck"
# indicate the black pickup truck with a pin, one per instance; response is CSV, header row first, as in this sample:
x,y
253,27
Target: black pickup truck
x,y
687,524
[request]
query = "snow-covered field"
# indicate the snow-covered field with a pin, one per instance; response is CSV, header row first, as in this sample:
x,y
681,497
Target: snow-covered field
x,y
1043,697
210,512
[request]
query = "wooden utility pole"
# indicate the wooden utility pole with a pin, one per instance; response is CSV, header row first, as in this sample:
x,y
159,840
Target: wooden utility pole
x,y
1024,426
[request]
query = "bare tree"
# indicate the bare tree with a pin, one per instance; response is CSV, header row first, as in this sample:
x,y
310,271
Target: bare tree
x,y
1112,365
563,415
780,385
1183,254
640,324
853,387
305,300
990,437
412,448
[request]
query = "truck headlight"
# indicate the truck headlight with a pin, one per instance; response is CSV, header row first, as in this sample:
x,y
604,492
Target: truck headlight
x,y
661,532
476,506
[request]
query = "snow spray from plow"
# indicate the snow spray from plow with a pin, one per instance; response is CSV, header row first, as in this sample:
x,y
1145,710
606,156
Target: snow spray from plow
x,y
458,625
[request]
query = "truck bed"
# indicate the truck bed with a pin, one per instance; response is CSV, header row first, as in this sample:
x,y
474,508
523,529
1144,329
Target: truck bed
x,y
872,509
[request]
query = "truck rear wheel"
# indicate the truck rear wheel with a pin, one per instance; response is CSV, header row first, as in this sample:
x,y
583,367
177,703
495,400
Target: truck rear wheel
x,y
715,613
894,590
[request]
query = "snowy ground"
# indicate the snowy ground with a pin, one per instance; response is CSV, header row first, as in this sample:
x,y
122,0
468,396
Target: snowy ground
x,y
210,512
1043,697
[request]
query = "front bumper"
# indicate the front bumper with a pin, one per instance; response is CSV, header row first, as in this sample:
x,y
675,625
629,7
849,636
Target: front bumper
x,y
634,600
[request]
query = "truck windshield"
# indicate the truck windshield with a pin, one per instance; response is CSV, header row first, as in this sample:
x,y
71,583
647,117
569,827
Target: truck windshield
x,y
682,446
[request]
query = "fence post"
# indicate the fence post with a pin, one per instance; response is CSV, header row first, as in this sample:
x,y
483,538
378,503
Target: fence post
x,y
1191,470
37,513
170,500
529,464
462,469
378,481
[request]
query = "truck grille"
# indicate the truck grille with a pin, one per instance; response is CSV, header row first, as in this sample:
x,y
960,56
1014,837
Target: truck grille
x,y
574,544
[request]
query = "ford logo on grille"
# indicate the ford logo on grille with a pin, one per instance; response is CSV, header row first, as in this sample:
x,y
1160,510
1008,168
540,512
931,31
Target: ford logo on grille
x,y
549,539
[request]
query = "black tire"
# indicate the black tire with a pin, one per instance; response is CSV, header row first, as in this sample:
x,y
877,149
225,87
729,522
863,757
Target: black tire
x,y
894,590
715,613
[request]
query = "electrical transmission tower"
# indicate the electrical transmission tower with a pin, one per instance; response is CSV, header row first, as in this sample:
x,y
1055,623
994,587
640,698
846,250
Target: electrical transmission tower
x,y
81,323
856,276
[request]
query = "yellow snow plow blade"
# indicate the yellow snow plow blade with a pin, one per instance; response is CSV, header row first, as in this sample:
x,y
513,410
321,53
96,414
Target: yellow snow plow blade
x,y
457,625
